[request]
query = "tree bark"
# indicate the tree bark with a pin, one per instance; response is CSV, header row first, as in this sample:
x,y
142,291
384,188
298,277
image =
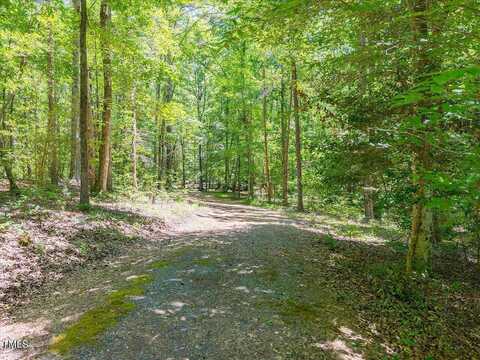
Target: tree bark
x,y
298,137
184,174
134,139
84,109
368,199
418,257
52,126
6,142
266,155
200,168
75,105
104,158
285,125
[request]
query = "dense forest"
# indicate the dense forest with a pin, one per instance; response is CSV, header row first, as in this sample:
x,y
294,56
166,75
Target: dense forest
x,y
370,105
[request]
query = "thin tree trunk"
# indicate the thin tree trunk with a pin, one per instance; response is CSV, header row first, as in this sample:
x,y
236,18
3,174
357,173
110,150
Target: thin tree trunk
x,y
285,143
75,106
110,170
158,91
368,203
52,126
251,158
4,148
298,136
134,139
161,155
238,177
170,151
200,167
184,175
84,109
104,158
265,141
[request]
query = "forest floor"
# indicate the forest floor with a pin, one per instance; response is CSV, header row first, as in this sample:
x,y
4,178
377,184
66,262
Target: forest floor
x,y
212,278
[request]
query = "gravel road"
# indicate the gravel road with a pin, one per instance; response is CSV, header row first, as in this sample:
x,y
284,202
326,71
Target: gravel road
x,y
236,282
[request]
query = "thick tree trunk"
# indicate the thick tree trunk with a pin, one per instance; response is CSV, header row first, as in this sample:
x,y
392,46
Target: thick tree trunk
x,y
84,110
104,158
418,257
74,173
298,137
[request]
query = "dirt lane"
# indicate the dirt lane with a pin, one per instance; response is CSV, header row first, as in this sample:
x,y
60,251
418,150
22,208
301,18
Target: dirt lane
x,y
234,282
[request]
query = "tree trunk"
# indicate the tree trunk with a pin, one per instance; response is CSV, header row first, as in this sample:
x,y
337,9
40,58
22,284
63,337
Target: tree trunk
x,y
251,159
75,106
105,21
368,200
158,91
110,170
184,175
134,139
84,109
170,151
418,257
238,185
285,125
200,168
368,205
266,155
52,126
298,136
5,157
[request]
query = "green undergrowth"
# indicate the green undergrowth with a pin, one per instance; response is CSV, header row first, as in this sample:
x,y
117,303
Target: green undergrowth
x,y
420,316
95,322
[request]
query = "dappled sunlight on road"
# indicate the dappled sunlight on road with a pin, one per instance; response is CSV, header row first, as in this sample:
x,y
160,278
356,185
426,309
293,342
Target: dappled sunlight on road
x,y
241,278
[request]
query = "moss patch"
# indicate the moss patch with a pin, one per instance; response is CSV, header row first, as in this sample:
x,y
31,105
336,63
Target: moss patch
x,y
203,262
96,321
292,310
161,264
269,274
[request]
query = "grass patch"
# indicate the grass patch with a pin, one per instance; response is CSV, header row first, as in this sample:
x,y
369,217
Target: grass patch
x,y
203,262
95,322
270,274
160,264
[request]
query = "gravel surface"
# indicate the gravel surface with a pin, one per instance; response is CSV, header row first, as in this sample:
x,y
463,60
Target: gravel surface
x,y
236,282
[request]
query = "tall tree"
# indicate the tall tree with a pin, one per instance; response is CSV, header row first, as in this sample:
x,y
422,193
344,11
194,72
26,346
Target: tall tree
x,y
52,127
134,137
418,257
75,101
84,109
104,156
266,154
298,136
285,139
